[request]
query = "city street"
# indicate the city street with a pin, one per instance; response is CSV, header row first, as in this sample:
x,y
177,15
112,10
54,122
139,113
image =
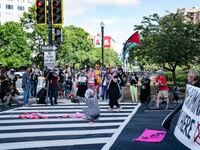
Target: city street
x,y
62,133
64,65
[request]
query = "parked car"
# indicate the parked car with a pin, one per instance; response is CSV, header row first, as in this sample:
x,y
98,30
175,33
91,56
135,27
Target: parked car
x,y
19,73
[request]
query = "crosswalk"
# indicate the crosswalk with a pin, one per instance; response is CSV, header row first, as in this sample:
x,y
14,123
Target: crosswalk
x,y
62,133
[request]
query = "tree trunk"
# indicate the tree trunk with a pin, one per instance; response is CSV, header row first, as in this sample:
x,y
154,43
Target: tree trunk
x,y
174,76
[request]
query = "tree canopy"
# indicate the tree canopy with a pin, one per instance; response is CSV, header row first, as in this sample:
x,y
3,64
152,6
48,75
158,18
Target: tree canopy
x,y
168,41
14,48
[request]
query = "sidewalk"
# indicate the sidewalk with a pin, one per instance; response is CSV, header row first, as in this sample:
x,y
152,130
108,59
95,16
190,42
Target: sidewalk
x,y
150,119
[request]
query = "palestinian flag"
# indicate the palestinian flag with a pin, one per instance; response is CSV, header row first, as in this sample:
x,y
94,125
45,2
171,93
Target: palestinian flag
x,y
133,40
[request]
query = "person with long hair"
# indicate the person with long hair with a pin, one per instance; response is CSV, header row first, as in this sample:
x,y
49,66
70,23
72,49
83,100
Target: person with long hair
x,y
114,90
133,80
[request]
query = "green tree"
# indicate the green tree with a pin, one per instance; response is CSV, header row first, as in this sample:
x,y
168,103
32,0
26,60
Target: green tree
x,y
168,41
37,34
14,49
75,47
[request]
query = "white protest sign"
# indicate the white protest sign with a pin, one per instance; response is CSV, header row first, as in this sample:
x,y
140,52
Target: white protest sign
x,y
187,129
49,59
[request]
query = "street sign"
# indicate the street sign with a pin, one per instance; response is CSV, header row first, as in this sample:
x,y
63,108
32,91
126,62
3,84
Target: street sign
x,y
49,47
49,59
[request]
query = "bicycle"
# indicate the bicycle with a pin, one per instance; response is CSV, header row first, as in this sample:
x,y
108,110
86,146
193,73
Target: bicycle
x,y
173,95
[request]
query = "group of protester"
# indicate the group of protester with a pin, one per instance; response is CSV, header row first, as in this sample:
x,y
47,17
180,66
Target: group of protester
x,y
92,84
8,90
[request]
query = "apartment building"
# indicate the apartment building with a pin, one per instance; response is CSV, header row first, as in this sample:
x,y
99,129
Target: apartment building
x,y
190,14
12,10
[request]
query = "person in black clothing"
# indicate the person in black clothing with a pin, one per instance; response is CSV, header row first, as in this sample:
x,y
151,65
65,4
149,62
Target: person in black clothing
x,y
145,88
114,90
12,77
4,84
82,83
122,83
10,95
68,86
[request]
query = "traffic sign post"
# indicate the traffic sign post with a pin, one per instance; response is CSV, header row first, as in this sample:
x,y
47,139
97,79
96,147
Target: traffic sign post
x,y
49,47
49,59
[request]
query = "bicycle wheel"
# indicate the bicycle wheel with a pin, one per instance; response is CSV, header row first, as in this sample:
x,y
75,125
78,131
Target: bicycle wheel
x,y
151,103
172,102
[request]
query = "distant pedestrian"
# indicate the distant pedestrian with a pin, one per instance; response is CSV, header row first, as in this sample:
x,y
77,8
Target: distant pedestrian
x,y
145,88
133,80
34,80
82,83
122,83
105,82
26,86
114,90
53,85
91,78
68,87
60,86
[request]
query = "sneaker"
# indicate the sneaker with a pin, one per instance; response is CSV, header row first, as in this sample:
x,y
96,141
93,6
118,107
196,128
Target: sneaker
x,y
119,109
110,109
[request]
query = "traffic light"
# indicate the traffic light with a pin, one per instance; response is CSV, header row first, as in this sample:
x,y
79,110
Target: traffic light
x,y
41,11
58,36
57,11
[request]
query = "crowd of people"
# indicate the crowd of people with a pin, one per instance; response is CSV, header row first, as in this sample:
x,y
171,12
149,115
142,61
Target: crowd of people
x,y
107,84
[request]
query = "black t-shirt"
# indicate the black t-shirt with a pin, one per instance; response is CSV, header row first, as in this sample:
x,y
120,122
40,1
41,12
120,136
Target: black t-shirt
x,y
133,80
122,76
197,84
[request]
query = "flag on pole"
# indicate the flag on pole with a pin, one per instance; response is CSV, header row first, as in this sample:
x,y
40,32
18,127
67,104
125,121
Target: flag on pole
x,y
134,39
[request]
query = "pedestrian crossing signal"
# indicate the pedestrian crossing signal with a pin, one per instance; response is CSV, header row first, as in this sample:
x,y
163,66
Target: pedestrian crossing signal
x,y
57,12
58,36
40,11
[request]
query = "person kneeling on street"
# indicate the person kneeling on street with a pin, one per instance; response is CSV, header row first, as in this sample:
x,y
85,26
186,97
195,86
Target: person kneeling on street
x,y
10,96
92,110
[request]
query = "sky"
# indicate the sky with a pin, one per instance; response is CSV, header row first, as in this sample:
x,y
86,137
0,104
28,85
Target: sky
x,y
119,16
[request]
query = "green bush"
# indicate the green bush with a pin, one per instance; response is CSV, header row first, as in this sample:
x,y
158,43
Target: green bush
x,y
180,76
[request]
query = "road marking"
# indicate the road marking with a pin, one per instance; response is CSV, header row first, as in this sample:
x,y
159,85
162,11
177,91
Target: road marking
x,y
116,134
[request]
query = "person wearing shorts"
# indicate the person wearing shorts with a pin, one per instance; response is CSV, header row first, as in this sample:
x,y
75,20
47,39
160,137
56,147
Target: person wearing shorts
x,y
161,81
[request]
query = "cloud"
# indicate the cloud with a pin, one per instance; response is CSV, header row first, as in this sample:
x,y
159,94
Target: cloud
x,y
76,7
109,21
114,2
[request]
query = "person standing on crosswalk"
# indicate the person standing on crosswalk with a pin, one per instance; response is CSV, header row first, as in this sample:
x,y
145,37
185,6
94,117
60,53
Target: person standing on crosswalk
x,y
92,110
26,86
114,90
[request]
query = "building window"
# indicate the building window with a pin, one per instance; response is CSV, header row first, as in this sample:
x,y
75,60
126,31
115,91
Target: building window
x,y
9,13
21,8
9,6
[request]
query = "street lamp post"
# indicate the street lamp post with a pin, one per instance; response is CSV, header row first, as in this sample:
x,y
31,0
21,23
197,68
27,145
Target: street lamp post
x,y
102,44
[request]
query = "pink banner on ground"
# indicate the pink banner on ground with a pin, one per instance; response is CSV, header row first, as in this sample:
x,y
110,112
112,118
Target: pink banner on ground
x,y
46,116
151,136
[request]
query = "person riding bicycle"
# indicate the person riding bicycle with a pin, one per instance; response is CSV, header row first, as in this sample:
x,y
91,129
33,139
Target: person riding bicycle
x,y
161,82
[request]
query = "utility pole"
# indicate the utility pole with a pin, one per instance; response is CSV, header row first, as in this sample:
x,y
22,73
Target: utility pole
x,y
50,23
102,44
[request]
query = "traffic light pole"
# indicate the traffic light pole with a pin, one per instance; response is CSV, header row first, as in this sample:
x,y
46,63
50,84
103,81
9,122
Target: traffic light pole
x,y
50,23
50,41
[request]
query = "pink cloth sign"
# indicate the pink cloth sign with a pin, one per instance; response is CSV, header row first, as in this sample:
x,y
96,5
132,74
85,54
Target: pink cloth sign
x,y
46,116
151,136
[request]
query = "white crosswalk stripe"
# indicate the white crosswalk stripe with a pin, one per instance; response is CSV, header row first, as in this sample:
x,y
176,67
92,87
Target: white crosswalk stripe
x,y
62,133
